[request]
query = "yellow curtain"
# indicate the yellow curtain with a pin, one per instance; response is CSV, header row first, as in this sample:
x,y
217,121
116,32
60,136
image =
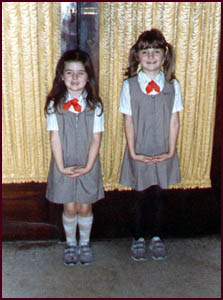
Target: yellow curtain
x,y
193,28
30,49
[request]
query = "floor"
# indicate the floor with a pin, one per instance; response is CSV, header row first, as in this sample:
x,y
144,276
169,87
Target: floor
x,y
36,270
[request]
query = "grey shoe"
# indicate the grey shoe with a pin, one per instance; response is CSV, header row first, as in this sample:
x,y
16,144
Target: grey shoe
x,y
138,250
86,255
71,255
158,249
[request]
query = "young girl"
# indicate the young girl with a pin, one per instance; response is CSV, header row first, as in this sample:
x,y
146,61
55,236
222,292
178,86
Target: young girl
x,y
150,102
75,121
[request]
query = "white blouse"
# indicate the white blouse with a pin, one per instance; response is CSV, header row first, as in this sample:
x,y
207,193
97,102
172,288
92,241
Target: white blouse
x,y
143,79
51,120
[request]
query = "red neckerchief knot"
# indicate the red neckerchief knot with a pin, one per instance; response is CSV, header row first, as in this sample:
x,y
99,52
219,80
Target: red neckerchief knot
x,y
74,103
152,86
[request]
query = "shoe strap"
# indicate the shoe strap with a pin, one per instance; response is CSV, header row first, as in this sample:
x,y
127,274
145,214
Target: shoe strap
x,y
158,244
139,244
85,248
70,249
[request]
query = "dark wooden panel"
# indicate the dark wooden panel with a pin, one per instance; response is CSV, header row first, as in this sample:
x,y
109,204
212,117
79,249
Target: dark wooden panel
x,y
12,231
24,202
187,213
27,210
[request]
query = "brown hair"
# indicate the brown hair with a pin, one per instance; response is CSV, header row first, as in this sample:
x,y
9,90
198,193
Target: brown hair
x,y
59,90
152,39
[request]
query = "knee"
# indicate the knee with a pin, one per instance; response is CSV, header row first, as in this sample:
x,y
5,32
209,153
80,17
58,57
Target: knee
x,y
70,210
85,210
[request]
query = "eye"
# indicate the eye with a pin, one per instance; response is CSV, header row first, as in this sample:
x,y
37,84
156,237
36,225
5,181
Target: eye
x,y
82,73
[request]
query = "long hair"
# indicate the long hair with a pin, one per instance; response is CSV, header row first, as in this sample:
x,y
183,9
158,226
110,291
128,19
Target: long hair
x,y
59,90
152,39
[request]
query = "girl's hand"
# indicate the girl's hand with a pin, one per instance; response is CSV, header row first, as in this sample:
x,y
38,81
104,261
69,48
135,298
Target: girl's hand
x,y
68,171
162,157
143,158
79,171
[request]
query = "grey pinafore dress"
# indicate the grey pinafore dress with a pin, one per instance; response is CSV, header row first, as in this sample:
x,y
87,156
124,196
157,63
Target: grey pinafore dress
x,y
75,131
151,119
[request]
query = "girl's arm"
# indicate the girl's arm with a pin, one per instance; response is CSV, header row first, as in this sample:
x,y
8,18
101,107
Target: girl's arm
x,y
58,153
129,132
173,135
174,130
92,155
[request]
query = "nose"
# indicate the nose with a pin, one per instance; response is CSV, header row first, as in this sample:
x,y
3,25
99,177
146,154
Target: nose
x,y
150,54
74,76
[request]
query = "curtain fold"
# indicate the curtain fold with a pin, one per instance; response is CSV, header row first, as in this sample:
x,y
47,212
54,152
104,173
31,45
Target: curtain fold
x,y
193,28
30,49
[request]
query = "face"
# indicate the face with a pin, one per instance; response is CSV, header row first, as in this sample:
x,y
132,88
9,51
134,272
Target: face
x,y
75,78
151,60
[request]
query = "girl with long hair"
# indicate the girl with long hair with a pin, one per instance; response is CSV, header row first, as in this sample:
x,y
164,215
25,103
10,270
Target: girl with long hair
x,y
75,120
150,101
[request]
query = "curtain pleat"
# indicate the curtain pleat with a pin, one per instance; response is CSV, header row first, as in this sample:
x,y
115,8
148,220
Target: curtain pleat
x,y
31,47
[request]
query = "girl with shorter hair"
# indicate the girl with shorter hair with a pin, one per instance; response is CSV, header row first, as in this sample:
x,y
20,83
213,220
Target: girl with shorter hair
x,y
150,101
75,120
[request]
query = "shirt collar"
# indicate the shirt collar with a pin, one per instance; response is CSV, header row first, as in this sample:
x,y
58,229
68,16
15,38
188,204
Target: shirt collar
x,y
146,79
81,98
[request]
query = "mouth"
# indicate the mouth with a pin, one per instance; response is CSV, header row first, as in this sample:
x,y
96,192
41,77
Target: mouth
x,y
74,83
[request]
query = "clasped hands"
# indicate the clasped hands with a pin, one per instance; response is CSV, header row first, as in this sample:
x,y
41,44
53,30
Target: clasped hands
x,y
75,171
148,160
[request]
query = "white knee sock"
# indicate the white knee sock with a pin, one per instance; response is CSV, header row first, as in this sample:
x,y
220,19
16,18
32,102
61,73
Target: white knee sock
x,y
70,227
85,224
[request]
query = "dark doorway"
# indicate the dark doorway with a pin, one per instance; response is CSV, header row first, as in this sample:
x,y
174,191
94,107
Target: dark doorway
x,y
80,28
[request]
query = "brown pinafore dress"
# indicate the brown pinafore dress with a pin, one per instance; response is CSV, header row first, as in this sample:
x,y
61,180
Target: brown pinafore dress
x,y
151,119
76,132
